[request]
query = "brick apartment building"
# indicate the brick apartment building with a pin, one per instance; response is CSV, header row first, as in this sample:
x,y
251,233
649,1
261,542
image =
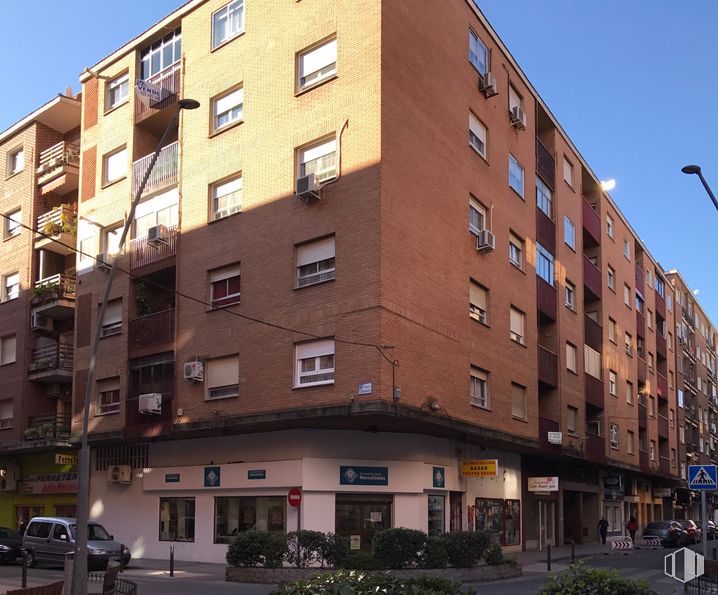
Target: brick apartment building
x,y
370,256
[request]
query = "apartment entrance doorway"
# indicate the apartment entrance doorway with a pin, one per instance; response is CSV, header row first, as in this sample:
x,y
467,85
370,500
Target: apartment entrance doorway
x,y
546,523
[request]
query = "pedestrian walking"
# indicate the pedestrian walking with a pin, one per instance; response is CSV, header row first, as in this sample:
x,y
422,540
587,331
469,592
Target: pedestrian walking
x,y
632,527
603,529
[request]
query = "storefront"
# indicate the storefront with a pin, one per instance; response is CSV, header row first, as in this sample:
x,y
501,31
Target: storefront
x,y
613,508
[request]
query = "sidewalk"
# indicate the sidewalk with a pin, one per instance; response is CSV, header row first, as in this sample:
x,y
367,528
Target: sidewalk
x,y
562,554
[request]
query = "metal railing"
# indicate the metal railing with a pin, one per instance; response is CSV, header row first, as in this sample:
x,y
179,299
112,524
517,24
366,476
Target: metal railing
x,y
59,154
53,426
168,80
61,219
142,253
152,330
163,174
57,287
52,357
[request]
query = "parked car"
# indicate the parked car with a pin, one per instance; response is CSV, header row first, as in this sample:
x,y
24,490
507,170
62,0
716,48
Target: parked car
x,y
711,530
671,533
49,539
694,533
10,545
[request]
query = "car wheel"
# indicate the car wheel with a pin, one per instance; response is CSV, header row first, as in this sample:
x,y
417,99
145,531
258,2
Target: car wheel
x,y
30,561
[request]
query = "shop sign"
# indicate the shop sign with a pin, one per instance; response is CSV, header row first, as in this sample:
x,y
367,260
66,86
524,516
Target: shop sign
x,y
65,459
50,483
172,477
555,437
355,542
257,474
365,389
543,484
212,477
613,494
438,477
479,468
662,492
363,476
611,481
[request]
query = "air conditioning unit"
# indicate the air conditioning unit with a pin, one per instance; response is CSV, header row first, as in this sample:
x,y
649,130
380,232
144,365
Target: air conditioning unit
x,y
119,474
485,241
157,236
308,188
40,322
518,118
194,371
103,261
150,404
487,85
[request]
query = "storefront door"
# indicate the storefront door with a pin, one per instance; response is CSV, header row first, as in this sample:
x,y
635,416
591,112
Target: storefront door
x,y
23,514
455,523
547,523
613,513
359,516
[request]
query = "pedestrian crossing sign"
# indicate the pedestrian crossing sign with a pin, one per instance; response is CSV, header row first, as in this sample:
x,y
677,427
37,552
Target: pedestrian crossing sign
x,y
702,477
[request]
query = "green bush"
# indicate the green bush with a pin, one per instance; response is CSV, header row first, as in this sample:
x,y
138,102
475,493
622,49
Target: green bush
x,y
581,580
466,548
434,554
253,547
362,561
493,555
305,548
399,548
335,550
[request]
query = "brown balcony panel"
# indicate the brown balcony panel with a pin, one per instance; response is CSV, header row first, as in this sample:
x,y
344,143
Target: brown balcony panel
x,y
48,428
59,168
595,448
57,229
644,460
548,367
639,277
663,426
593,333
661,346
545,164
169,82
146,258
55,296
545,230
662,386
594,391
591,225
640,325
545,426
51,364
642,370
642,416
143,425
660,305
591,280
153,333
545,298
664,466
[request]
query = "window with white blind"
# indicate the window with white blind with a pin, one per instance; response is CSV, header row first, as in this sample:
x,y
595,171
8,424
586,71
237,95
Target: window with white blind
x,y
112,322
592,361
614,435
224,286
477,216
517,321
568,172
316,65
319,159
570,295
10,287
7,349
612,332
518,401
228,109
111,240
6,414
515,99
572,420
610,228
477,135
316,262
117,91
571,354
630,438
629,392
223,377
108,396
314,363
479,387
478,53
612,382
15,162
226,198
13,223
516,250
227,23
114,165
478,302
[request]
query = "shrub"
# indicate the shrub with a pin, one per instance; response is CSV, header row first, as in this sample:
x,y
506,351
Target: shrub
x,y
466,548
335,550
362,561
493,555
580,580
435,584
252,548
398,548
434,554
304,548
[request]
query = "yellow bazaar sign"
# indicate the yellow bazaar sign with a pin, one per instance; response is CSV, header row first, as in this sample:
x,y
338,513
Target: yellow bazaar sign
x,y
479,468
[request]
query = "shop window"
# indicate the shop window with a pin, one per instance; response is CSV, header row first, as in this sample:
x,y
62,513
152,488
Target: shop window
x,y
176,519
233,515
436,515
500,518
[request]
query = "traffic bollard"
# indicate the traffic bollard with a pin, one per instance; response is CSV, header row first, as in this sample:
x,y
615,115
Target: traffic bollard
x,y
548,557
172,561
573,551
24,568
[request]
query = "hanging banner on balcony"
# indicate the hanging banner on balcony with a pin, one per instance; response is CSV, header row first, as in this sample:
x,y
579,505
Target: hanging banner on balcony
x,y
50,483
153,92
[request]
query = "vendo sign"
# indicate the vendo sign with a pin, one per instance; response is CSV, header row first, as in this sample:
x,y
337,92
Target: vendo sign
x,y
294,497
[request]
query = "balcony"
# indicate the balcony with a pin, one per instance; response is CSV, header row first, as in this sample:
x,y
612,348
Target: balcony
x,y
662,386
591,225
593,333
167,83
59,168
152,333
51,364
148,258
664,466
640,325
642,416
663,427
60,224
594,391
661,346
143,425
644,460
639,277
545,230
545,164
595,447
55,296
545,426
642,369
660,305
48,428
545,299
591,280
548,367
163,174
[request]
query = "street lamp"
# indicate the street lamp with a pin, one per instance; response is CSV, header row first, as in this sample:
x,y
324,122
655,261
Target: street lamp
x,y
79,574
695,169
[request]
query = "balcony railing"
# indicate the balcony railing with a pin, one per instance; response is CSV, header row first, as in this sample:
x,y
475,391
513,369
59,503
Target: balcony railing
x,y
546,298
52,358
591,224
592,278
50,289
144,254
48,427
594,391
58,168
545,426
548,367
595,448
168,82
60,223
144,425
664,466
642,416
152,332
662,386
593,333
663,426
545,229
644,460
639,277
163,174
545,164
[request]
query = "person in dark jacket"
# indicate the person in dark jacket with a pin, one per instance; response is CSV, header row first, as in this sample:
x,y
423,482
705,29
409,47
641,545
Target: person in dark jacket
x,y
603,529
632,527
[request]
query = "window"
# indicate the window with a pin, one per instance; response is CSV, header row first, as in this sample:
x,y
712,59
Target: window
x,y
592,362
318,159
652,451
479,388
227,23
627,249
628,339
314,363
516,250
612,330
117,91
160,210
544,264
649,284
112,322
13,223
660,286
630,437
162,54
239,513
111,240
85,257
670,378
571,356
108,396
614,435
649,319
569,233
515,99
478,302
10,287
639,347
516,176
517,325
316,65
176,519
639,302
650,363
226,198
114,165
652,406
518,401
477,216
477,135
15,161
6,415
627,295
669,302
672,417
543,197
225,286
223,377
228,109
629,392
610,229
478,54
568,172
570,295
674,457
611,276
612,381
572,421
316,262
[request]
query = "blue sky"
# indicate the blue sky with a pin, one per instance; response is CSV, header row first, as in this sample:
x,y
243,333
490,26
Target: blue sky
x,y
633,82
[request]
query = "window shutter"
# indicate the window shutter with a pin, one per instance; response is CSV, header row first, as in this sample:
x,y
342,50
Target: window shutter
x,y
315,251
228,187
229,101
477,128
224,273
108,384
113,313
517,322
317,151
477,296
318,58
6,410
315,348
518,398
223,372
514,98
567,171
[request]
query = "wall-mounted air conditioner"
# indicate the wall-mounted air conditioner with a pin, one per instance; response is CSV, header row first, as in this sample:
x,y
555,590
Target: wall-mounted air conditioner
x,y
194,371
150,404
308,188
119,474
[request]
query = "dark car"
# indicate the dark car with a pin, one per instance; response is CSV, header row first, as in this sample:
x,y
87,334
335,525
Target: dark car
x,y
10,545
671,533
694,533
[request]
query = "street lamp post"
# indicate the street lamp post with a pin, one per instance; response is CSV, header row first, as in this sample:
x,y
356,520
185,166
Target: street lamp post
x,y
695,169
79,574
